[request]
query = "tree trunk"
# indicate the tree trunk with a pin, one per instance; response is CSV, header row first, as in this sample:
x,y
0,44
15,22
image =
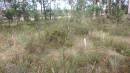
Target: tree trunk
x,y
50,11
120,4
41,10
44,8
129,8
94,13
109,6
5,3
100,3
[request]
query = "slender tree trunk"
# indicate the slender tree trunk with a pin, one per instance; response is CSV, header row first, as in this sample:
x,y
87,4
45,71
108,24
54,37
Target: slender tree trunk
x,y
120,4
44,8
50,11
41,7
129,8
100,3
41,10
71,14
5,3
94,13
109,6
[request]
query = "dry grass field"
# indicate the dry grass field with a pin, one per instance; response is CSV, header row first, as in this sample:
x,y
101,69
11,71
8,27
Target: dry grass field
x,y
66,46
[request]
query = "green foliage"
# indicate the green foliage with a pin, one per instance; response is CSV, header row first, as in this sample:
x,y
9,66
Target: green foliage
x,y
93,8
18,9
117,13
10,13
57,36
127,52
58,33
81,5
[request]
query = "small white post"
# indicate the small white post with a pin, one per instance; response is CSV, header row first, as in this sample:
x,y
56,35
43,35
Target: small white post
x,y
85,42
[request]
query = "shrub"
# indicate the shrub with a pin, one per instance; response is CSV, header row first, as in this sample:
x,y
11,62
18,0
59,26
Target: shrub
x,y
101,39
88,58
52,38
56,38
10,13
117,13
81,30
127,52
114,63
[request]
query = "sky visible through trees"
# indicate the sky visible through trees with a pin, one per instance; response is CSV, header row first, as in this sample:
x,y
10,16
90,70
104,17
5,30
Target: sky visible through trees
x,y
61,4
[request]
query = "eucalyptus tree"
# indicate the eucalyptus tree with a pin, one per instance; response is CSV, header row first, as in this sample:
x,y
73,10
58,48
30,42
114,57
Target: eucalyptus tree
x,y
109,2
129,7
72,4
80,8
45,8
94,11
41,4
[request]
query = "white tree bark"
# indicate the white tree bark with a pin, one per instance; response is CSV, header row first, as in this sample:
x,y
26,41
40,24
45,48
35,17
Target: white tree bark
x,y
129,8
119,3
94,13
